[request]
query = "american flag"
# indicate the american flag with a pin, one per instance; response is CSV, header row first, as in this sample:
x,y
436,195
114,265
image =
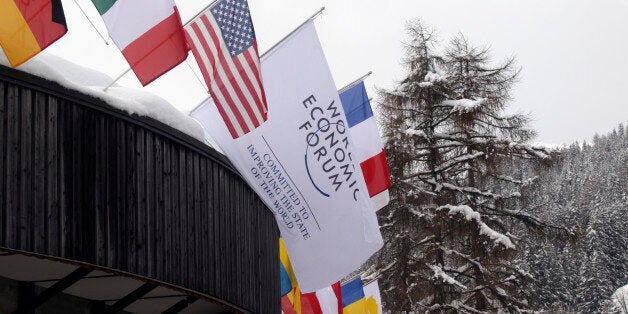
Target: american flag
x,y
223,43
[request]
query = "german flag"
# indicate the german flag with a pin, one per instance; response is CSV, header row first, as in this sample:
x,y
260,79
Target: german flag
x,y
29,26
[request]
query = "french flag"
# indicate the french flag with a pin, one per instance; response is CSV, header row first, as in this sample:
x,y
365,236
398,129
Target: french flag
x,y
368,143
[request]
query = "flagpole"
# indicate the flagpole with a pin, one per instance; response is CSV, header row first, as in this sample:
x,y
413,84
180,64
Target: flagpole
x,y
117,78
184,25
355,82
319,12
199,13
366,283
340,91
92,23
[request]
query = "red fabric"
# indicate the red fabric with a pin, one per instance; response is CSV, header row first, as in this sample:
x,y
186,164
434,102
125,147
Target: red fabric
x,y
338,292
286,305
157,51
38,15
233,80
376,174
309,304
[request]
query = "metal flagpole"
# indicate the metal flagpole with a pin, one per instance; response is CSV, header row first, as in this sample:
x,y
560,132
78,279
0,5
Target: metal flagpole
x,y
271,48
199,13
201,103
319,12
366,283
117,78
348,86
92,23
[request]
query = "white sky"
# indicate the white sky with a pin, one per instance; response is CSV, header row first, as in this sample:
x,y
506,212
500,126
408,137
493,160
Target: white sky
x,y
573,53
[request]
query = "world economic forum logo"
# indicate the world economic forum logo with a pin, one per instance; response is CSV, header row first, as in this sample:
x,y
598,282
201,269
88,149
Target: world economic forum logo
x,y
327,158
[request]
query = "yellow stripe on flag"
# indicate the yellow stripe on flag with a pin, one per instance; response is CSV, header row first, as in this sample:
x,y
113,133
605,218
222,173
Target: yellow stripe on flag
x,y
357,307
297,300
283,256
17,40
371,306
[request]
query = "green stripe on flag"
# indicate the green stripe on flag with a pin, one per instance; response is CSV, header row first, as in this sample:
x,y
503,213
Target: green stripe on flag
x,y
103,5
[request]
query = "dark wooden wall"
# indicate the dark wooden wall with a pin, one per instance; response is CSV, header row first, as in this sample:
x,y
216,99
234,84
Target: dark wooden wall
x,y
84,181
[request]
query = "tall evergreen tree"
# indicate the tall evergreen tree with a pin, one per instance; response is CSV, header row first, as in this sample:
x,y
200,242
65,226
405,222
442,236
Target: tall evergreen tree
x,y
450,244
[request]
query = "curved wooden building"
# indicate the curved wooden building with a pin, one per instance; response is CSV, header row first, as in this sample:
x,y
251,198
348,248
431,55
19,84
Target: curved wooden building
x,y
110,212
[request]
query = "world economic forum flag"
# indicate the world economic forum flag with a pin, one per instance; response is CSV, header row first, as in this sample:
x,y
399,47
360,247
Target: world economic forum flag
x,y
300,162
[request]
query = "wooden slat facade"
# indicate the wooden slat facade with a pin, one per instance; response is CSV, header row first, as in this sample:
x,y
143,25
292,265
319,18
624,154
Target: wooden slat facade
x,y
84,181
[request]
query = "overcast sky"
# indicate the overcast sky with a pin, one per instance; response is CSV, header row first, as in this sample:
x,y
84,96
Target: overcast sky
x,y
573,53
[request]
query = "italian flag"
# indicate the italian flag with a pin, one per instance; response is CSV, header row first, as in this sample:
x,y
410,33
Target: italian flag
x,y
148,32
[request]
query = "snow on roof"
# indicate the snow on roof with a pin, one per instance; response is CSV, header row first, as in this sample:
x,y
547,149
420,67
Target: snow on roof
x,y
92,82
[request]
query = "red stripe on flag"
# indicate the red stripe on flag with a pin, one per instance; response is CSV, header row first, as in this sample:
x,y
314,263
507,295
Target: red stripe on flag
x,y
309,304
158,50
376,174
286,305
256,71
234,81
249,86
338,293
203,67
214,76
218,81
197,55
38,16
225,58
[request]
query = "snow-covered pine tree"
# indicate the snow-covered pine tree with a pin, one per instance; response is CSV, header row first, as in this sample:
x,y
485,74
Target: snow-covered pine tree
x,y
449,245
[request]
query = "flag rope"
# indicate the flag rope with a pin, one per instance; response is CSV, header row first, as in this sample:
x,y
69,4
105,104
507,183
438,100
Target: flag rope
x,y
196,75
106,40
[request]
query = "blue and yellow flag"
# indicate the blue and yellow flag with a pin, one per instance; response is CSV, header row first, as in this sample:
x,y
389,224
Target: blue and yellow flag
x,y
292,300
288,279
353,301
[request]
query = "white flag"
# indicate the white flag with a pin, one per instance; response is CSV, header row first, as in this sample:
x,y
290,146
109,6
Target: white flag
x,y
328,300
372,296
300,162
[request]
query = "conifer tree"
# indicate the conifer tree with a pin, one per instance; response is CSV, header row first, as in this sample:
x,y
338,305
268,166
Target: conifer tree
x,y
449,229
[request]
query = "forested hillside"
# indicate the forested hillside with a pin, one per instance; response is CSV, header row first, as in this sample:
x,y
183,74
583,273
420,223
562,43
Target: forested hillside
x,y
585,190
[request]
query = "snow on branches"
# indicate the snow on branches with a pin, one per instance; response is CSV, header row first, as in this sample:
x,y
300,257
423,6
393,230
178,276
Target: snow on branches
x,y
453,206
469,214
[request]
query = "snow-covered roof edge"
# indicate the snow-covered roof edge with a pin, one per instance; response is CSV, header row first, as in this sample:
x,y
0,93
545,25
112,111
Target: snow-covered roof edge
x,y
92,83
